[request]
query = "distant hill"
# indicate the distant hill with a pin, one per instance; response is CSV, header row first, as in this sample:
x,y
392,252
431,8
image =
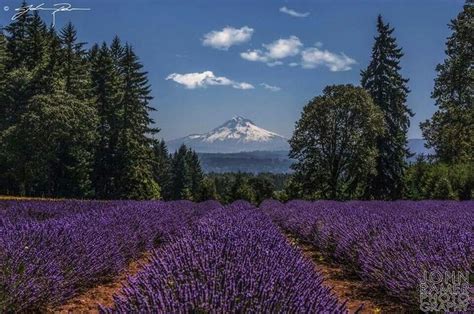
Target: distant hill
x,y
271,161
253,162
417,147
236,135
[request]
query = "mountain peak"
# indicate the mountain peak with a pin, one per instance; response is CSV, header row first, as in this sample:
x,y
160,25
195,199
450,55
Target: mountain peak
x,y
235,122
235,135
241,119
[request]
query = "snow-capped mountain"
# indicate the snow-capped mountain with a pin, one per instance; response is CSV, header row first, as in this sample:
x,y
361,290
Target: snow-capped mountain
x,y
236,135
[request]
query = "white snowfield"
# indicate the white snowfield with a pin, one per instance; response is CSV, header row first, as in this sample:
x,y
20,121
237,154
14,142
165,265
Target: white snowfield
x,y
236,135
238,128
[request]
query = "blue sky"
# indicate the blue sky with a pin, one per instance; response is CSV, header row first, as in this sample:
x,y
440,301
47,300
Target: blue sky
x,y
213,52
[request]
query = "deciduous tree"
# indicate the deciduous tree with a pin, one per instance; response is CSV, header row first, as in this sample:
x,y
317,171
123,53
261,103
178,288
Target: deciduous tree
x,y
334,143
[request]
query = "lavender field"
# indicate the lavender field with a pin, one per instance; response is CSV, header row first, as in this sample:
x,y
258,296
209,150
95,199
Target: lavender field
x,y
206,257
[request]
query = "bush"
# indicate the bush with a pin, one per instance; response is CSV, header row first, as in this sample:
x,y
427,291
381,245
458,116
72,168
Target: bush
x,y
440,181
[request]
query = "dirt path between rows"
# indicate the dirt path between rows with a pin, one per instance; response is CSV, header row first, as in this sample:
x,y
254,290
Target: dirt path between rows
x,y
89,301
355,291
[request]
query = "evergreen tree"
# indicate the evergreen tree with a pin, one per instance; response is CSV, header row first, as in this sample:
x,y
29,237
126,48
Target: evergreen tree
x,y
134,153
196,175
117,51
4,60
451,129
162,168
72,124
181,178
105,87
4,113
263,188
17,38
35,42
241,189
383,81
209,190
74,63
59,131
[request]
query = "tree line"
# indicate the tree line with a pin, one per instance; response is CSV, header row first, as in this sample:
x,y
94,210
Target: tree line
x,y
180,177
74,122
351,142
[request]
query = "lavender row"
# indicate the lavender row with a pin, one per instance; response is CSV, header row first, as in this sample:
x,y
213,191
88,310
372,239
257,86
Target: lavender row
x,y
232,261
43,263
390,244
24,211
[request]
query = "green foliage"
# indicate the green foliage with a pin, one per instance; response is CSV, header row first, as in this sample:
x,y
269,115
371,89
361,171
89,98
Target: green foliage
x,y
181,178
209,190
73,123
162,168
17,43
196,175
440,181
451,129
184,177
230,186
262,188
334,143
134,175
388,89
241,189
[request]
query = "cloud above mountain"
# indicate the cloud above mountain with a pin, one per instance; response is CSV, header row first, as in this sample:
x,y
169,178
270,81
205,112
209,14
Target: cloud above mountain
x,y
205,79
227,37
293,13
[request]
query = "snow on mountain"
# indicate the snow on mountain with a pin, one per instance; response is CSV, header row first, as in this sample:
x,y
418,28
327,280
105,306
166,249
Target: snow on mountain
x,y
236,135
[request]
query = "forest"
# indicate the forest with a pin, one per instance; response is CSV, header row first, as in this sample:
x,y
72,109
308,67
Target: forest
x,y
75,123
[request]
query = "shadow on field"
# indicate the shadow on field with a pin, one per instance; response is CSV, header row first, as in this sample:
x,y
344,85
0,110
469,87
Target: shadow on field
x,y
348,286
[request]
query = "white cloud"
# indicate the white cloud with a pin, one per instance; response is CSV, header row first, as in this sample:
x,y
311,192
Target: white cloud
x,y
254,55
204,79
293,64
313,57
285,47
242,85
293,12
227,37
274,63
270,87
279,49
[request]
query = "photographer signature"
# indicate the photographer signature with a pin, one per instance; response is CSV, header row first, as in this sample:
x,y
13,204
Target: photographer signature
x,y
58,7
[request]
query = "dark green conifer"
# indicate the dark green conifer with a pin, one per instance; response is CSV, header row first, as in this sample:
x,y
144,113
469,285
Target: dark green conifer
x,y
383,81
451,129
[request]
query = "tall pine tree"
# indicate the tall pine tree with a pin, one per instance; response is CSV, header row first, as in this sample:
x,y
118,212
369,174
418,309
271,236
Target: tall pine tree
x,y
181,178
4,60
105,87
162,170
74,65
17,38
451,129
134,148
196,174
383,81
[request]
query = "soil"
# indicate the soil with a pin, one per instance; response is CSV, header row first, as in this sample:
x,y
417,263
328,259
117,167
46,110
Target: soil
x,y
359,296
89,301
349,288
